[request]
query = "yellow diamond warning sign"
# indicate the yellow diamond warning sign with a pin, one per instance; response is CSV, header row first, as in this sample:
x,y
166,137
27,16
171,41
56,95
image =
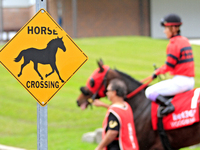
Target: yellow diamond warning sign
x,y
42,57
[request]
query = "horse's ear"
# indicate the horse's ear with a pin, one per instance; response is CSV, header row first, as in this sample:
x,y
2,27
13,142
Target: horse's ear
x,y
100,64
61,38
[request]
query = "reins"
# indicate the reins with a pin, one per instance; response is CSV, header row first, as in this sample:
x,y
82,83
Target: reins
x,y
133,93
150,78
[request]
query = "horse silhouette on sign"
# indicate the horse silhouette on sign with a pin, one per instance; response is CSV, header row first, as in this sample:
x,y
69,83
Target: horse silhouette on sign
x,y
42,56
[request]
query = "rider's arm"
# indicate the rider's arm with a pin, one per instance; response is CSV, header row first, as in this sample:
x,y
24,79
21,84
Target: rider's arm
x,y
171,61
162,70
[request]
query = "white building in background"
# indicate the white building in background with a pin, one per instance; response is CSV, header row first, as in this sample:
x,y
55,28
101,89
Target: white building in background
x,y
188,10
146,14
18,3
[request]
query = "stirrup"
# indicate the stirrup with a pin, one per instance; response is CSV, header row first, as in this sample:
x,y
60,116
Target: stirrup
x,y
160,108
167,110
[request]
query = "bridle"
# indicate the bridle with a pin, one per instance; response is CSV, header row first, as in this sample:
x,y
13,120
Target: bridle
x,y
133,93
94,96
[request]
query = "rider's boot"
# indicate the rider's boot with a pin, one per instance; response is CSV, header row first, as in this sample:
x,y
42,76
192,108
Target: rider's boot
x,y
169,108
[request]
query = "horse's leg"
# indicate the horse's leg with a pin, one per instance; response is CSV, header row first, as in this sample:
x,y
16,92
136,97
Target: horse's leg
x,y
55,68
23,65
50,73
35,67
59,74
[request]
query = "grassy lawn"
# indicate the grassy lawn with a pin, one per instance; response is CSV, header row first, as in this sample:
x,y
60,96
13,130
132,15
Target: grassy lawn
x,y
66,122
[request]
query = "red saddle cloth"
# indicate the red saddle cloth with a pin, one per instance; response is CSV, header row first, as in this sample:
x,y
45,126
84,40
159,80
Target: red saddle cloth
x,y
186,111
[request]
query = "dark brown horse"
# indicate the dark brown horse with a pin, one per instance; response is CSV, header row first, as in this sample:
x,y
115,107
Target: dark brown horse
x,y
148,138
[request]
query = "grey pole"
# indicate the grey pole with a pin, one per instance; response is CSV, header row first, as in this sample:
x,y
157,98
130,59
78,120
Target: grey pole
x,y
1,20
74,17
42,121
42,128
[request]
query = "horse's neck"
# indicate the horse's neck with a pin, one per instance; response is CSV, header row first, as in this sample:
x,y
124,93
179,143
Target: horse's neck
x,y
131,83
139,103
141,108
51,48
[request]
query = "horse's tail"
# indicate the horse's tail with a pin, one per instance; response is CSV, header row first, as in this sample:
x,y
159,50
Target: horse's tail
x,y
19,57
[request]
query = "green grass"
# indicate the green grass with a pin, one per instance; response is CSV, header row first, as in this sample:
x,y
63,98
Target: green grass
x,y
66,122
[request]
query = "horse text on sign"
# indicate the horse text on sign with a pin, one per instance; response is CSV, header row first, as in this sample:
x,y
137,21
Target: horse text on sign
x,y
42,57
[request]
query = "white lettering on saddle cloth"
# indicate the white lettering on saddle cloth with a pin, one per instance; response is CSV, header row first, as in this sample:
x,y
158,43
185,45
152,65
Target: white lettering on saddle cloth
x,y
195,98
188,116
184,115
183,118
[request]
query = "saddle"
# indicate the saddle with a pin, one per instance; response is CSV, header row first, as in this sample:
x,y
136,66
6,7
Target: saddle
x,y
186,111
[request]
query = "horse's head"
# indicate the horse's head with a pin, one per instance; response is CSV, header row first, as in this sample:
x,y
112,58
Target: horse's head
x,y
98,81
95,86
60,43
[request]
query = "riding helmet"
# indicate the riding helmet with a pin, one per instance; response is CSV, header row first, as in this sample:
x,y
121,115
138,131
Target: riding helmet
x,y
171,20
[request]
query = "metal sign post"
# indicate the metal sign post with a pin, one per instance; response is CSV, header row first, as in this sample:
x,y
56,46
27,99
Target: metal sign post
x,y
74,17
42,117
1,20
42,127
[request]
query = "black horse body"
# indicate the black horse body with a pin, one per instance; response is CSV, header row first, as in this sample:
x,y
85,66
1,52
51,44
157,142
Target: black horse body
x,y
42,56
149,139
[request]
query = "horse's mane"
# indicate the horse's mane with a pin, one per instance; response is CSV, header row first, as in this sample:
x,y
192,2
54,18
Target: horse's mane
x,y
126,76
51,41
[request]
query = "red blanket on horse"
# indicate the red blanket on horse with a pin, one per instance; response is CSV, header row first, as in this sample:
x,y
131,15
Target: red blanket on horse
x,y
186,111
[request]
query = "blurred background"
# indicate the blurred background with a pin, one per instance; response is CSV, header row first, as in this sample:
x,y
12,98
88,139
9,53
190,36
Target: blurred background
x,y
91,18
126,34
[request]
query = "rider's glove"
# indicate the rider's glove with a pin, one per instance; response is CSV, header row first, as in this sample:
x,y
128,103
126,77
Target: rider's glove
x,y
154,76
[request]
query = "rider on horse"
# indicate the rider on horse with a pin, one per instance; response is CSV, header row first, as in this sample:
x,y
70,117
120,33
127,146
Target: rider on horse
x,y
179,63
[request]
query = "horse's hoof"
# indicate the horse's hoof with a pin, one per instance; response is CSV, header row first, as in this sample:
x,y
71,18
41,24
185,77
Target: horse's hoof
x,y
41,78
19,75
46,75
62,81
